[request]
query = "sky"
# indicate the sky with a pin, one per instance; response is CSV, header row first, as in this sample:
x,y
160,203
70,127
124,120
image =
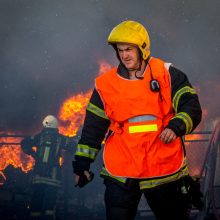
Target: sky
x,y
50,50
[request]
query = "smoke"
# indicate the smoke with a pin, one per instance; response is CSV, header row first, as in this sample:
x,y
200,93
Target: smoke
x,y
50,49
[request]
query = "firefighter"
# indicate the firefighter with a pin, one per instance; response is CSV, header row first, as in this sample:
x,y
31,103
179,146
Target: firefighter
x,y
141,109
46,148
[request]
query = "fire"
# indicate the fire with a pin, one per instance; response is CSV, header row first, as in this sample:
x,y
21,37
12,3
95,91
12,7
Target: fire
x,y
72,111
71,116
12,154
2,178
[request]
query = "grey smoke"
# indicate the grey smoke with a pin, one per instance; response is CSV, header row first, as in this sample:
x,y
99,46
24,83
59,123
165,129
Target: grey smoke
x,y
49,49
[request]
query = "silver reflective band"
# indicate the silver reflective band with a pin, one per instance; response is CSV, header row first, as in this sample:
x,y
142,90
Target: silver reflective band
x,y
86,151
142,118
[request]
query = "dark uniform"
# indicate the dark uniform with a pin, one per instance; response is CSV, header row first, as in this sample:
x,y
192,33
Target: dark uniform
x,y
161,197
47,174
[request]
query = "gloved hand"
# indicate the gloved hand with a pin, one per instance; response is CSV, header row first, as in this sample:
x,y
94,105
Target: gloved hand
x,y
83,175
84,179
195,194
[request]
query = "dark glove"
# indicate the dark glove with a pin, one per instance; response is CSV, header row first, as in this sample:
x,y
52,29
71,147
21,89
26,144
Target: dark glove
x,y
79,166
83,180
194,192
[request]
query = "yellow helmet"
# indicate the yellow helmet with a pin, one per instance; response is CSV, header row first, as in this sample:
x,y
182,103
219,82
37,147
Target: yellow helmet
x,y
131,32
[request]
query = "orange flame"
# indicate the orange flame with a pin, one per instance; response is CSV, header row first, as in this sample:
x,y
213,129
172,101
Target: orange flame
x,y
71,117
12,154
72,111
2,178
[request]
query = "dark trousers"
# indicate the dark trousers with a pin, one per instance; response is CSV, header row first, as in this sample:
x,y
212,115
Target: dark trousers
x,y
166,202
43,202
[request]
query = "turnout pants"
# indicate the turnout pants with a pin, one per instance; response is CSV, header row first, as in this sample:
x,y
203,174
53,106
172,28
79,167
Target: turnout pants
x,y
43,202
166,202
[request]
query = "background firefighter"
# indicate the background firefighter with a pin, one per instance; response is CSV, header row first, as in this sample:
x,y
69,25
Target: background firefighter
x,y
143,107
46,148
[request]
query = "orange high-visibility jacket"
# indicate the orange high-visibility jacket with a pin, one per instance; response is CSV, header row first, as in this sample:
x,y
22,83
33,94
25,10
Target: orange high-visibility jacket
x,y
138,116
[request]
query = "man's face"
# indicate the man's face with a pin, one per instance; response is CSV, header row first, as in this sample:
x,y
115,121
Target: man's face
x,y
129,55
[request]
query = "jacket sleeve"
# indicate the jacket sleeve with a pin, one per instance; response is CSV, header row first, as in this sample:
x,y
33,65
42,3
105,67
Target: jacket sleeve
x,y
68,143
185,104
28,143
94,129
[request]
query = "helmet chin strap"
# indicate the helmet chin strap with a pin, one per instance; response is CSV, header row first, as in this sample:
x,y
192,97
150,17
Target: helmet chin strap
x,y
140,57
139,69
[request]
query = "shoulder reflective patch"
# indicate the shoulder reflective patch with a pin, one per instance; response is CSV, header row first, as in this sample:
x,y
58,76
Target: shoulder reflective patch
x,y
178,95
142,128
167,65
96,110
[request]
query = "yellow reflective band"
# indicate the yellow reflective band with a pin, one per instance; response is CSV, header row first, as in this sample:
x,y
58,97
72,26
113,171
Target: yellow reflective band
x,y
105,173
35,214
151,183
142,128
186,119
178,95
48,181
46,154
96,110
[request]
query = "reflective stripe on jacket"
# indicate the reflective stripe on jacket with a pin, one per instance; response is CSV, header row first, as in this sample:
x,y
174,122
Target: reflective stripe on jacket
x,y
137,117
44,180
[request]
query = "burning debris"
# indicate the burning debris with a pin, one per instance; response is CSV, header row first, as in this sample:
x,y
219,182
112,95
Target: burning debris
x,y
11,153
71,116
